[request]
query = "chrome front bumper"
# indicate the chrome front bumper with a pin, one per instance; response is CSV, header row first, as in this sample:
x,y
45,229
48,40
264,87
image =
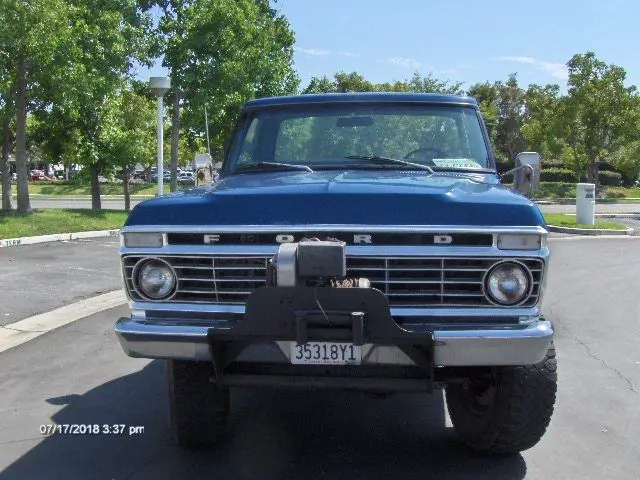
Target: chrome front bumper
x,y
526,344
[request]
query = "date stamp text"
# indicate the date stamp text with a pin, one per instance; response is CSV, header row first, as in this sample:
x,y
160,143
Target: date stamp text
x,y
91,429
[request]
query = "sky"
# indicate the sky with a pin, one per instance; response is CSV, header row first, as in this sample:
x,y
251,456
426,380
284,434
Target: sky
x,y
465,40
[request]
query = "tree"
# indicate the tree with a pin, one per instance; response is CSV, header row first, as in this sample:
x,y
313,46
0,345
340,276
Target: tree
x,y
627,158
487,95
503,108
599,108
544,121
511,114
354,82
429,84
62,59
6,112
127,135
222,54
108,36
30,36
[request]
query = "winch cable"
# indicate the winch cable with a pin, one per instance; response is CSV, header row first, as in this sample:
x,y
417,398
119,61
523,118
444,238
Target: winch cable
x,y
315,291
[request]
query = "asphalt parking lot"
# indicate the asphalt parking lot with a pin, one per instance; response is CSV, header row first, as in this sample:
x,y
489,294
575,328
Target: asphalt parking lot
x,y
79,375
38,278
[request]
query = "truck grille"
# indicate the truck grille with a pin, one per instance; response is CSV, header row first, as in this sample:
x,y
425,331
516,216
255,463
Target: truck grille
x,y
407,281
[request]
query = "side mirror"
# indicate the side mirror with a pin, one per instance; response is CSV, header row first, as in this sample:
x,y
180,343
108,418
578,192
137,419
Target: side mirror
x,y
526,179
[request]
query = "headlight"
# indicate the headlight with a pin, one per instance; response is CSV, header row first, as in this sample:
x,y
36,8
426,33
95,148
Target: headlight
x,y
507,283
155,279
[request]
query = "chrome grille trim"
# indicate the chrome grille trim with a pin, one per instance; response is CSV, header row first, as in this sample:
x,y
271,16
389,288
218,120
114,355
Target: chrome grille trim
x,y
408,281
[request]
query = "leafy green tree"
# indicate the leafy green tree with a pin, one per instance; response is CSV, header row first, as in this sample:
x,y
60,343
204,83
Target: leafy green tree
x,y
31,34
7,137
503,108
320,85
127,135
543,126
487,95
598,110
108,36
221,54
511,115
627,158
63,58
56,133
429,84
354,82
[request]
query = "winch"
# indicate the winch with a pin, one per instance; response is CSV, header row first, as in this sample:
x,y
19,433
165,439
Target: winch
x,y
313,263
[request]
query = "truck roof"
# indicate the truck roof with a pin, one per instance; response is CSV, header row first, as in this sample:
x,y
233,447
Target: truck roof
x,y
365,97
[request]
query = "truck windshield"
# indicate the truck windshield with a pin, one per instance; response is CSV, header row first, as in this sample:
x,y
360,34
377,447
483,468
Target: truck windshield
x,y
345,136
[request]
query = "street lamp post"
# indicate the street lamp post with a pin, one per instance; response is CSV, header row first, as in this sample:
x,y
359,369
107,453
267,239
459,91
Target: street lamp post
x,y
160,86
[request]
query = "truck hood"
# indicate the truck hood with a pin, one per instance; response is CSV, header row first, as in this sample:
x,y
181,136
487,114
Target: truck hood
x,y
360,197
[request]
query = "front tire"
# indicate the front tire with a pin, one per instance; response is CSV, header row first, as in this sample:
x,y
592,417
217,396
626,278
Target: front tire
x,y
198,409
508,413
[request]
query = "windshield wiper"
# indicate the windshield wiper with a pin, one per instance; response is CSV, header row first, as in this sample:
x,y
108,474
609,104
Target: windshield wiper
x,y
272,166
463,169
389,161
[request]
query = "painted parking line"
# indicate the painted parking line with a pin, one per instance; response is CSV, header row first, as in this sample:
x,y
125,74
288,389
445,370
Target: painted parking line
x,y
21,332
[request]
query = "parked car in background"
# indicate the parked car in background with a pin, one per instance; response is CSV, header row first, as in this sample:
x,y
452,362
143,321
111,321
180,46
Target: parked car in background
x,y
187,178
37,175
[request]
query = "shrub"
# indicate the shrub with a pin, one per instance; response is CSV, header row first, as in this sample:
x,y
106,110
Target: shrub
x,y
548,165
606,167
555,190
610,179
557,175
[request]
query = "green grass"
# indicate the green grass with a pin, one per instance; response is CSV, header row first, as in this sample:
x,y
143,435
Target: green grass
x,y
546,191
561,190
71,188
44,222
620,192
562,220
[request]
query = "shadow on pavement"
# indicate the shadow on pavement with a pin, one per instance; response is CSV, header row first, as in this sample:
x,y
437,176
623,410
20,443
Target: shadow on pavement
x,y
274,434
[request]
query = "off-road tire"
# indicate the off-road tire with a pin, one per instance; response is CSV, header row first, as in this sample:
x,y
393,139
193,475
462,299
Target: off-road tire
x,y
517,415
198,409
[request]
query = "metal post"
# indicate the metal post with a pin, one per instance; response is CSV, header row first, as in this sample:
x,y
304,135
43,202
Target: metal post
x,y
160,147
160,86
206,122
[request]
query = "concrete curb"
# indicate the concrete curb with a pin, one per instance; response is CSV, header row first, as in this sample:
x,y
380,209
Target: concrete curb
x,y
589,231
632,216
27,329
42,196
572,201
57,237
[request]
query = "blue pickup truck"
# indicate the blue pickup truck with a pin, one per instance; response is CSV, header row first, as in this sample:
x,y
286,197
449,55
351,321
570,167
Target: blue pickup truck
x,y
352,241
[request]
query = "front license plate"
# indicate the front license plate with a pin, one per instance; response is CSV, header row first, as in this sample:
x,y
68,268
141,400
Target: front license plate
x,y
326,353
